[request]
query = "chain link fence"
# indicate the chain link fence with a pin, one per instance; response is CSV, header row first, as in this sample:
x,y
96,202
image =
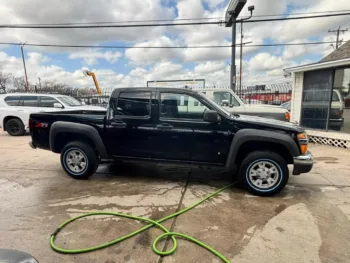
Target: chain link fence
x,y
272,94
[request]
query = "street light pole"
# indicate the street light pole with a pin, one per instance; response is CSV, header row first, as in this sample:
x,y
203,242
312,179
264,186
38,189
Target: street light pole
x,y
233,57
25,69
241,58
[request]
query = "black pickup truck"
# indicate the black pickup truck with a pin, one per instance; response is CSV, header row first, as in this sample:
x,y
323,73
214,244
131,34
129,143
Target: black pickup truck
x,y
175,126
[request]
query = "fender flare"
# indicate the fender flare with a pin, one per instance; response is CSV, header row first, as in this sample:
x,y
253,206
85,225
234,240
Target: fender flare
x,y
77,128
246,135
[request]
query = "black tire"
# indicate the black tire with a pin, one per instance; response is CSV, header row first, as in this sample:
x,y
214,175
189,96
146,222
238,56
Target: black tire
x,y
270,160
15,127
88,156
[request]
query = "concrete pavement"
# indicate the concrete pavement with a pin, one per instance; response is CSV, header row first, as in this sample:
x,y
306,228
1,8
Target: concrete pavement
x,y
308,222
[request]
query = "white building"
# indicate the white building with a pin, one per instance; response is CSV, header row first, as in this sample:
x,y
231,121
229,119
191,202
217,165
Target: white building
x,y
321,92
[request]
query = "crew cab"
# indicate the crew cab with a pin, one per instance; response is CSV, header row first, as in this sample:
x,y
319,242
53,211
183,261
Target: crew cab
x,y
158,125
15,108
233,104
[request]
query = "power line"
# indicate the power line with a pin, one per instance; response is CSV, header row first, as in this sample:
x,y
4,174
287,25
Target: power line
x,y
303,13
161,24
293,18
108,26
167,47
174,20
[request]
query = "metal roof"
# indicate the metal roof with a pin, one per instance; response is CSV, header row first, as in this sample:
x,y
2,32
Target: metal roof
x,y
319,65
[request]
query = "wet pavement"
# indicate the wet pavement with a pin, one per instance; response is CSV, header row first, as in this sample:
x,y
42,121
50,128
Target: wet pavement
x,y
308,222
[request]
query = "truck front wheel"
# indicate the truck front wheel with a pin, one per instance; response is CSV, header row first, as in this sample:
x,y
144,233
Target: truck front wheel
x,y
79,160
263,173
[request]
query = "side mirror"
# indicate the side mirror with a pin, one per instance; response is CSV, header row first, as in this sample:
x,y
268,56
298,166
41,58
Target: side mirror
x,y
211,116
58,105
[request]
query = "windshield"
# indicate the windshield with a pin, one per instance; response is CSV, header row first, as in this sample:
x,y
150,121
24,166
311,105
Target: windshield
x,y
213,103
70,101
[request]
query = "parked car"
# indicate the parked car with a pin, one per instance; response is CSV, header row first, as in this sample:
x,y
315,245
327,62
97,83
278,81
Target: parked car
x,y
336,120
160,125
287,105
233,104
15,109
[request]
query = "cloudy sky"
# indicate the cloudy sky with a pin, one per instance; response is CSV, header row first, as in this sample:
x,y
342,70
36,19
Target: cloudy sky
x,y
130,67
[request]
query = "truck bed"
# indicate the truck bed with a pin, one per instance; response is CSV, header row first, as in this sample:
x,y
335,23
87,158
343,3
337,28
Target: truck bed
x,y
40,123
77,115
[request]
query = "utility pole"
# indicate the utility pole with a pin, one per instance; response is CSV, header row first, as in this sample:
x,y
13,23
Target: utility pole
x,y
25,69
233,58
241,57
233,10
240,61
337,32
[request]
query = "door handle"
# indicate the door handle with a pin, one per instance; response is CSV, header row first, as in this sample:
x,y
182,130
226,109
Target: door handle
x,y
164,126
118,124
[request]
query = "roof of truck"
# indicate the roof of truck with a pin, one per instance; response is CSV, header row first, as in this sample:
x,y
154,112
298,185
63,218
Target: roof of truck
x,y
116,91
30,94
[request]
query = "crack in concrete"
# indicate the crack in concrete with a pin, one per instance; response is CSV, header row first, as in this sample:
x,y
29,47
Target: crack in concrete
x,y
160,258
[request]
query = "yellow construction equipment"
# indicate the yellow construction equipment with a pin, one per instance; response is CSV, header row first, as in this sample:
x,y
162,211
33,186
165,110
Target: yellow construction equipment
x,y
92,74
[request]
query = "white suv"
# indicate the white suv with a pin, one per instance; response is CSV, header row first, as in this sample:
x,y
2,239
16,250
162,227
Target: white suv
x,y
233,104
15,108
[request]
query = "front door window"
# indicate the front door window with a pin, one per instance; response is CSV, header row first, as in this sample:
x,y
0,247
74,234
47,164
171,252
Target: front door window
x,y
181,106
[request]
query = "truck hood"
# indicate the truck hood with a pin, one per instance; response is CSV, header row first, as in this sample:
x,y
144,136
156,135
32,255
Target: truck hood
x,y
268,123
264,108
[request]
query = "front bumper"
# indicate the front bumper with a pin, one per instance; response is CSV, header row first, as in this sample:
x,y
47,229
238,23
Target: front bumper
x,y
303,164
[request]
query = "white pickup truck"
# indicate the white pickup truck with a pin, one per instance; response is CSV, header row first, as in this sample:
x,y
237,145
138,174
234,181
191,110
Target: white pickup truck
x,y
233,104
15,109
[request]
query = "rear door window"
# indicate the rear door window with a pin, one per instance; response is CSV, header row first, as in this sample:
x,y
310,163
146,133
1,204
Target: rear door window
x,y
12,100
29,101
133,104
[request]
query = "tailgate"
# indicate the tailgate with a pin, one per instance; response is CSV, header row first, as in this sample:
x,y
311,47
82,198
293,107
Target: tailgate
x,y
39,125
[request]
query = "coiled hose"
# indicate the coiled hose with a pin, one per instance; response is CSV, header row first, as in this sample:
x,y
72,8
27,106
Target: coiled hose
x,y
152,223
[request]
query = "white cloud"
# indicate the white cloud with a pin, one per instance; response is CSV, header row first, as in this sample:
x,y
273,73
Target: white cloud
x,y
146,55
214,3
266,61
164,63
91,57
40,11
209,67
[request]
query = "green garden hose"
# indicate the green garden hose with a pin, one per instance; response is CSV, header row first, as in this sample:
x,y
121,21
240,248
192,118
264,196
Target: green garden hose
x,y
153,223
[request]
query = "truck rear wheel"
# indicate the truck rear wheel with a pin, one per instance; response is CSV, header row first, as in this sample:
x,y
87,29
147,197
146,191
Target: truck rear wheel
x,y
15,127
79,160
263,173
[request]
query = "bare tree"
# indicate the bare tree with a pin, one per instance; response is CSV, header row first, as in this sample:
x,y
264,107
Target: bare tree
x,y
5,81
18,84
